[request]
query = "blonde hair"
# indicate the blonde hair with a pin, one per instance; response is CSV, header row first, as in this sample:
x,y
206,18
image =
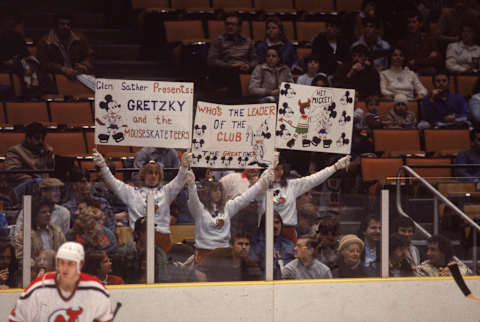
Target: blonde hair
x,y
150,166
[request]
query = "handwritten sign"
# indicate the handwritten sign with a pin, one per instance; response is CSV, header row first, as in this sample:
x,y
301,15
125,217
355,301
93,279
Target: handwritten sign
x,y
143,113
233,136
315,118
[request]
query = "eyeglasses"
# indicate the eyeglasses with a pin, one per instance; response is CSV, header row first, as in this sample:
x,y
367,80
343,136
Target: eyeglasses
x,y
274,56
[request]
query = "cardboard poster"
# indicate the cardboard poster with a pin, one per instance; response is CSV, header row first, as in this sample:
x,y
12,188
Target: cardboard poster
x,y
318,119
143,113
233,136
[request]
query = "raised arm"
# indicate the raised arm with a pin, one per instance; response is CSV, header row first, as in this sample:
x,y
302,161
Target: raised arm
x,y
194,204
173,187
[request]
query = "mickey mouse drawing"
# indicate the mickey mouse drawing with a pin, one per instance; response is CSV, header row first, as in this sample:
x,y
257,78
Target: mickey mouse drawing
x,y
112,120
200,129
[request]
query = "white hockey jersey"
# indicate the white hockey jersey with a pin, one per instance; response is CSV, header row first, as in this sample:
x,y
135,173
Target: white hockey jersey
x,y
42,301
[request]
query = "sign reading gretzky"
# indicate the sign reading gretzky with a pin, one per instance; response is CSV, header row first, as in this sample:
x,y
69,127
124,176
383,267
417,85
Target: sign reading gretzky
x,y
315,118
233,136
143,113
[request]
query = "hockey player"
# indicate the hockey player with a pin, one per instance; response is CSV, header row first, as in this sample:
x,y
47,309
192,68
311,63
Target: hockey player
x,y
64,295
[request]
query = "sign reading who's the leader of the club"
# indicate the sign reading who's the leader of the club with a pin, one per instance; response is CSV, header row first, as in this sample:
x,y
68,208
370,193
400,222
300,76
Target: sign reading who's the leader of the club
x,y
143,113
316,119
233,136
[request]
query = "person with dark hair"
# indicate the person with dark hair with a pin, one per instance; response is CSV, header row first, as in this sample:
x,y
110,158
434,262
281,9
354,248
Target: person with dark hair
x,y
44,234
349,263
151,177
359,74
99,264
305,266
464,56
8,265
378,48
32,154
266,78
421,50
451,20
44,263
401,264
229,264
400,80
471,156
442,108
320,81
332,49
229,55
328,233
63,51
312,67
371,231
439,253
405,227
213,214
283,248
275,37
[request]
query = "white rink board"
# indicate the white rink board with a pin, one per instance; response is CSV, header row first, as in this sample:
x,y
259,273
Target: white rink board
x,y
328,300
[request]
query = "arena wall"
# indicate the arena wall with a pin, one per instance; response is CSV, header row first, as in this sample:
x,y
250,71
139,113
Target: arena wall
x,y
427,299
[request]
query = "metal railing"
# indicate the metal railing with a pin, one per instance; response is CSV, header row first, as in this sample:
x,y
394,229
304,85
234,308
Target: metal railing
x,y
437,196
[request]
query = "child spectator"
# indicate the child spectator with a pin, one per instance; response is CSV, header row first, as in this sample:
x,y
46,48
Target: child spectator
x,y
98,263
372,119
44,263
313,66
399,116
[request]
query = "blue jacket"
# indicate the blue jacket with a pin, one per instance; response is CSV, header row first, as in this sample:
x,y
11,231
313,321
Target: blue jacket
x,y
287,53
468,157
283,251
436,111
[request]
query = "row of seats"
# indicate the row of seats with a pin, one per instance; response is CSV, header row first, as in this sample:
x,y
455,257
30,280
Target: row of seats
x,y
65,86
436,141
268,5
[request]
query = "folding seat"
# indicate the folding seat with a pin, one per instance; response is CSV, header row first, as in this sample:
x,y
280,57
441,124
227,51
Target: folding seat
x,y
349,5
68,87
8,139
315,5
307,30
145,4
466,84
274,5
23,113
258,29
190,4
386,106
396,141
232,4
5,79
244,80
442,142
182,232
432,175
3,119
71,113
67,143
185,31
379,169
302,52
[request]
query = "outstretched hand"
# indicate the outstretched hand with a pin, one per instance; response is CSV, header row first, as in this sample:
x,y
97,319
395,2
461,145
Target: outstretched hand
x,y
343,163
267,177
190,179
187,159
98,159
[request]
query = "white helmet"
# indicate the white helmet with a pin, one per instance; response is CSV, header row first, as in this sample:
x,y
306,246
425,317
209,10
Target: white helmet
x,y
72,251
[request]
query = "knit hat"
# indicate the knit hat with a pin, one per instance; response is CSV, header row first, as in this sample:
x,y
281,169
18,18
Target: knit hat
x,y
347,240
50,183
400,99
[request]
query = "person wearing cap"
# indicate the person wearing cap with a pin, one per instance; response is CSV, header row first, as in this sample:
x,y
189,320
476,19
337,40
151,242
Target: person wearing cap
x,y
349,263
66,294
399,116
305,266
32,154
150,177
50,190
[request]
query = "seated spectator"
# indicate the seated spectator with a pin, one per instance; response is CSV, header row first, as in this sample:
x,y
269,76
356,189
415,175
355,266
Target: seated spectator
x,y
439,253
471,156
229,264
88,230
81,192
400,80
451,20
463,56
49,189
275,37
359,74
331,49
44,263
283,248
401,264
377,48
212,213
474,104
128,260
305,266
405,227
320,81
327,239
99,264
307,218
442,108
8,265
312,64
349,263
420,49
267,77
371,230
371,118
167,158
63,51
229,55
44,234
32,154
399,116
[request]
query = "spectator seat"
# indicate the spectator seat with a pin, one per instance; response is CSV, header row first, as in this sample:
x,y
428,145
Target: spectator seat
x,y
442,142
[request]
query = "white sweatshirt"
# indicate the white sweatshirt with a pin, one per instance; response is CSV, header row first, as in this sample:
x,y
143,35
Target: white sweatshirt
x,y
285,198
214,232
136,198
